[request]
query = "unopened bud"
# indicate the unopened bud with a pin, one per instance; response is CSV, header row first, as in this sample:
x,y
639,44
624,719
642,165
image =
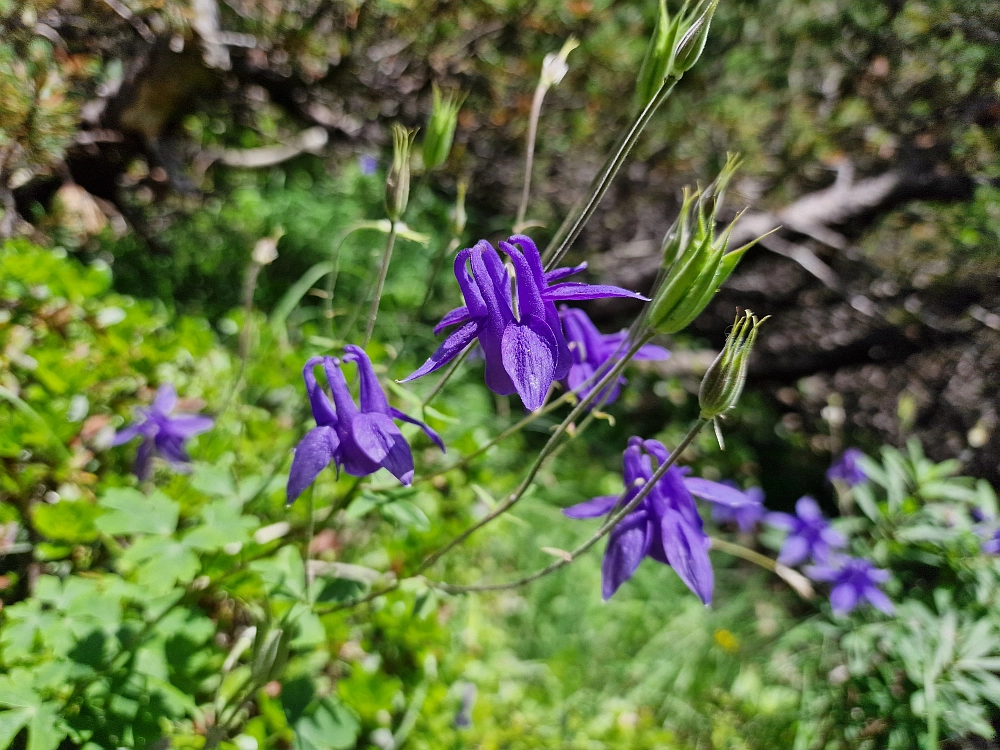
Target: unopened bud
x,y
397,184
441,128
696,262
270,654
692,43
554,67
657,62
724,380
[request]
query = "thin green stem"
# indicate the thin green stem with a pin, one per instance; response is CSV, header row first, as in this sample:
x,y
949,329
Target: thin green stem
x,y
383,272
443,253
601,532
574,222
529,158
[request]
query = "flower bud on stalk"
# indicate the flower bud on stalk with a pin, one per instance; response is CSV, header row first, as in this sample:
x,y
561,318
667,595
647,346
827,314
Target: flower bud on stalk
x,y
674,48
696,262
724,380
397,184
441,128
554,67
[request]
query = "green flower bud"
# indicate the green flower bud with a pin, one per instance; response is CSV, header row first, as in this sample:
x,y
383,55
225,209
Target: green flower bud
x,y
441,128
692,42
397,184
724,380
696,261
656,64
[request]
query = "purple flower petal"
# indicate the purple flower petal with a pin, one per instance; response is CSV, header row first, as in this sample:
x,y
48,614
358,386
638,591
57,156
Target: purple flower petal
x,y
381,442
781,520
143,457
561,273
843,598
165,400
879,600
794,550
627,545
454,317
313,454
578,291
371,395
716,492
187,426
808,509
322,409
686,550
435,438
529,354
593,508
130,433
449,349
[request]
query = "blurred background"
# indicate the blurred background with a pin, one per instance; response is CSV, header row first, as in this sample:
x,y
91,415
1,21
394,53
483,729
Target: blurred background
x,y
160,140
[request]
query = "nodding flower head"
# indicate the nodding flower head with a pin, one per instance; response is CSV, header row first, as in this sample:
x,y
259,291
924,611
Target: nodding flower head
x,y
525,351
359,441
665,526
161,433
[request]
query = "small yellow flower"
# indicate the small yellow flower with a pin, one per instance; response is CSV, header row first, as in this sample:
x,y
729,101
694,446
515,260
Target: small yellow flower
x,y
725,640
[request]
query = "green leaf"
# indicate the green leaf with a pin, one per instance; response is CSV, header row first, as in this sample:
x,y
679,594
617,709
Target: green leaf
x,y
215,481
12,722
222,524
406,514
330,727
135,513
67,521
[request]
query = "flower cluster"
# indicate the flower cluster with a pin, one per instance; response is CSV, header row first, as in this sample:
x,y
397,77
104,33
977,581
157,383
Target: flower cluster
x,y
523,344
847,468
665,525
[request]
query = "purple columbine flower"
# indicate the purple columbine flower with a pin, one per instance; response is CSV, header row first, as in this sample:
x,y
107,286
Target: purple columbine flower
x,y
162,433
746,517
809,534
854,581
847,469
591,349
664,526
358,441
526,350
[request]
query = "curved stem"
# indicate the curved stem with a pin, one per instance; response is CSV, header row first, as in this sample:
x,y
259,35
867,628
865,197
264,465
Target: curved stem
x,y
547,449
798,582
383,271
574,222
529,159
601,532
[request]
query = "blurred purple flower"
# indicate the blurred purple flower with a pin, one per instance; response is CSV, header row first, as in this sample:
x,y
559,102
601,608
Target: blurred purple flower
x,y
664,526
359,442
809,534
991,545
847,468
746,517
524,352
855,581
591,349
368,164
161,433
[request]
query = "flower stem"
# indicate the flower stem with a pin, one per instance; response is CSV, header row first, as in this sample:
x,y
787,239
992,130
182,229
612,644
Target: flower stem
x,y
603,531
574,222
529,159
383,271
798,582
547,449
